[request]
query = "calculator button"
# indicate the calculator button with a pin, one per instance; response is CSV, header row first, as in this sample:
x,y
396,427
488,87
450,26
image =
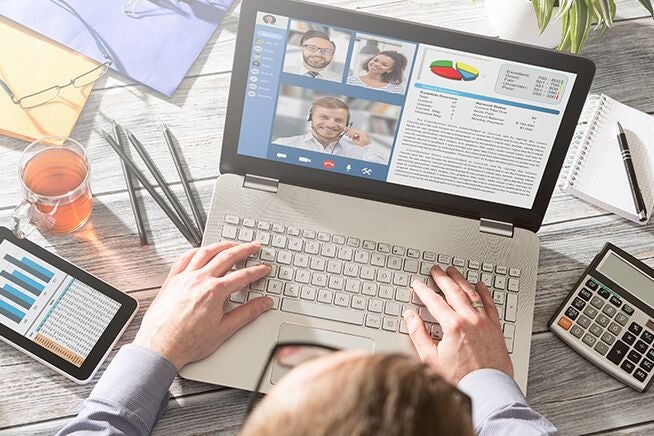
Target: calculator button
x,y
597,302
621,318
590,312
609,310
595,330
608,338
647,365
583,321
592,285
628,309
650,354
641,347
634,356
618,352
577,331
629,338
603,320
640,375
603,293
601,348
572,313
647,336
627,366
578,303
589,340
635,328
615,328
585,294
616,301
565,323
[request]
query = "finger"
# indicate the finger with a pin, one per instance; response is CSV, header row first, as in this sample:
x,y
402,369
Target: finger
x,y
454,295
208,252
226,259
182,262
244,314
489,304
422,341
465,285
241,278
436,305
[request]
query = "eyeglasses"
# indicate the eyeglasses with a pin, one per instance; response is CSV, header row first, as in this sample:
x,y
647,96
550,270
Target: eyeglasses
x,y
45,95
313,49
283,358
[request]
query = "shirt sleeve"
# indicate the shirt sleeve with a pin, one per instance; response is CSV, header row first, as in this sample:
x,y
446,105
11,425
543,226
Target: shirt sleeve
x,y
130,396
500,408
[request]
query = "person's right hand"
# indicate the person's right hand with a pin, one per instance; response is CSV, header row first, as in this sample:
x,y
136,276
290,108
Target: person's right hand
x,y
186,322
472,338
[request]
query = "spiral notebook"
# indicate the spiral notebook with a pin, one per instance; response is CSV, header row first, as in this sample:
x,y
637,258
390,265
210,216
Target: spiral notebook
x,y
595,171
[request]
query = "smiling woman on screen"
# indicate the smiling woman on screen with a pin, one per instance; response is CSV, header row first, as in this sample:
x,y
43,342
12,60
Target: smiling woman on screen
x,y
384,71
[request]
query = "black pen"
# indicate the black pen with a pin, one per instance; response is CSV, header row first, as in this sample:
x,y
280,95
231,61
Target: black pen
x,y
641,211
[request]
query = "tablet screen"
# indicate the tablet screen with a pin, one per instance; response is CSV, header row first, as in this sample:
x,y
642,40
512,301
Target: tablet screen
x,y
51,308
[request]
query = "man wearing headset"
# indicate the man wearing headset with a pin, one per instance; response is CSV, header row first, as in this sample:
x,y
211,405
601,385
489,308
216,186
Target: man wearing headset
x,y
332,133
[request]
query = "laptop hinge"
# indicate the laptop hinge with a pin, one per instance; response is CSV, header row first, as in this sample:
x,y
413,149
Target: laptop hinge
x,y
498,228
260,183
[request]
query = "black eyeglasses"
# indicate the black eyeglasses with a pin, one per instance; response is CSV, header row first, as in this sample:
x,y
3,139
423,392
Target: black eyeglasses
x,y
284,357
45,95
314,48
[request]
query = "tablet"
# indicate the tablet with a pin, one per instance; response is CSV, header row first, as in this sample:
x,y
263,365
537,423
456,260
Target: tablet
x,y
57,313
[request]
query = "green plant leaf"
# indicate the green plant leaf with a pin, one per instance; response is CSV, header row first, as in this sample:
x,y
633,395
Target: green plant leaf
x,y
565,33
579,24
543,9
603,9
564,7
648,6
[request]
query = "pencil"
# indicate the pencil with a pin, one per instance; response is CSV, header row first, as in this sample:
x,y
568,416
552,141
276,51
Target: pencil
x,y
164,186
148,187
130,189
185,184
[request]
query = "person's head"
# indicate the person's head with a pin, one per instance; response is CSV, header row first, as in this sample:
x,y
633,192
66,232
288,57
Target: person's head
x,y
329,117
356,394
269,19
389,64
317,50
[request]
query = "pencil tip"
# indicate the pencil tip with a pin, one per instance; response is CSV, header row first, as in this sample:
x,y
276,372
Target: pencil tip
x,y
163,126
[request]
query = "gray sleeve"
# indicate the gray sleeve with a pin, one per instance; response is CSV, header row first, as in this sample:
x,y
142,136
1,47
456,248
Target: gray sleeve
x,y
500,408
130,396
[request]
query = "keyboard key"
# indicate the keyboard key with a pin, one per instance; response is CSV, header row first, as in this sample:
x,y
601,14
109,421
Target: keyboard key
x,y
229,232
488,267
293,231
592,285
640,375
361,256
354,242
263,237
436,332
375,305
596,330
629,338
602,292
248,222
425,268
292,290
500,282
370,245
325,296
444,259
378,259
301,260
245,234
426,315
392,308
403,295
286,273
328,250
641,347
383,276
322,311
312,247
589,340
403,327
351,270
373,321
369,289
295,244
413,253
628,309
394,262
634,356
618,352
334,266
359,302
583,321
576,331
390,324
514,285
231,219
647,336
473,264
278,228
318,264
353,286
275,287
499,269
259,285
308,234
615,329
386,291
319,279
608,338
398,250
252,295
473,277
284,257
509,335
429,256
239,296
336,283
416,300
585,294
345,253
635,328
384,248
621,318
601,348
338,239
499,297
400,279
514,272
279,241
616,301
307,293
627,366
511,309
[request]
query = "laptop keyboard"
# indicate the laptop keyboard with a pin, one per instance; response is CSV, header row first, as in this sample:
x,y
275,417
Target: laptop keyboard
x,y
358,282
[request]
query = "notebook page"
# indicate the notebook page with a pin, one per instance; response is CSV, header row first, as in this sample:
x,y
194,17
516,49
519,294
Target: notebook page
x,y
603,176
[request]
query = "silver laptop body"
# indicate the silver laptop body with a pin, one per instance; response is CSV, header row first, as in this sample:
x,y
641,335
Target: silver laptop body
x,y
344,260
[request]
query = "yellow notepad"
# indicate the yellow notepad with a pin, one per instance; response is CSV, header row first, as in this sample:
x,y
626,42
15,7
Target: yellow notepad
x,y
30,63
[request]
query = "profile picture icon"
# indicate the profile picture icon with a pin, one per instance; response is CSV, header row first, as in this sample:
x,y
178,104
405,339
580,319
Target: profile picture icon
x,y
269,19
256,63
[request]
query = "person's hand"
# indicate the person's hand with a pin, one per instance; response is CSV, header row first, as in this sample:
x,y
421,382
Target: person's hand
x,y
186,321
472,338
358,137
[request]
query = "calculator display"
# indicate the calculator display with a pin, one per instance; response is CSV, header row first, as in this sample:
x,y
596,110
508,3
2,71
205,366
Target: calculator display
x,y
628,277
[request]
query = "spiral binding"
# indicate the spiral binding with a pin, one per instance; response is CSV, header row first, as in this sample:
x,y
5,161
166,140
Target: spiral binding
x,y
592,115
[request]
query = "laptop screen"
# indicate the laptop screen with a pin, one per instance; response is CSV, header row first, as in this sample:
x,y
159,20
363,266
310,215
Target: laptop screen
x,y
340,100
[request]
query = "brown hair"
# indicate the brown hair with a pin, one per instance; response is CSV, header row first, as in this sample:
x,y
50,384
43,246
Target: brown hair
x,y
399,65
316,34
381,395
330,103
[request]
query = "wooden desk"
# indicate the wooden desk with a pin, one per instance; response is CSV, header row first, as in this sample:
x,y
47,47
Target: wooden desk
x,y
576,396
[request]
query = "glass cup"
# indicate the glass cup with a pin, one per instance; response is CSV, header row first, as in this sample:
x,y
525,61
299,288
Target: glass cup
x,y
54,174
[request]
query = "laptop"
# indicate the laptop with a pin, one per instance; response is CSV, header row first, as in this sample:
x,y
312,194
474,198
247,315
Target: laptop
x,y
361,150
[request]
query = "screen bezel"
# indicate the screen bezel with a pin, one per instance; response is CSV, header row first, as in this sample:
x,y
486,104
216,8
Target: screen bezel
x,y
232,162
128,306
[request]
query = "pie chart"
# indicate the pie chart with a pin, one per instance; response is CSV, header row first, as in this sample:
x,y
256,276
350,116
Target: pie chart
x,y
454,70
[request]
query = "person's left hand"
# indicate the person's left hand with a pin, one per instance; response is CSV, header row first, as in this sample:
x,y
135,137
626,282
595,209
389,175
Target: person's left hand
x,y
186,321
358,137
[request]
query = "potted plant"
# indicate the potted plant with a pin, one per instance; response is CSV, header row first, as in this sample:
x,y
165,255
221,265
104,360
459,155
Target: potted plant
x,y
564,24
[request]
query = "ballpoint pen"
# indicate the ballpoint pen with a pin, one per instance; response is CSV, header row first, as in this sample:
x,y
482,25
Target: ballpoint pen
x,y
637,195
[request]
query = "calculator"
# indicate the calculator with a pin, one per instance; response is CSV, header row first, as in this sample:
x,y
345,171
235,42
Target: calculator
x,y
609,317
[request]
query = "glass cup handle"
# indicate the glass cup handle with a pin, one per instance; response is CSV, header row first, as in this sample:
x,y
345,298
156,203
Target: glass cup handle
x,y
28,217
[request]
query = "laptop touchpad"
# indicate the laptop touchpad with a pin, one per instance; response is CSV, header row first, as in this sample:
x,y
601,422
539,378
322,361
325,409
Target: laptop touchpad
x,y
289,332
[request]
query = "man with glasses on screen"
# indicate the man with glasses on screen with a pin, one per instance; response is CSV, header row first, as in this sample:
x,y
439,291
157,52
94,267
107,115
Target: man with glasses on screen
x,y
461,384
317,54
